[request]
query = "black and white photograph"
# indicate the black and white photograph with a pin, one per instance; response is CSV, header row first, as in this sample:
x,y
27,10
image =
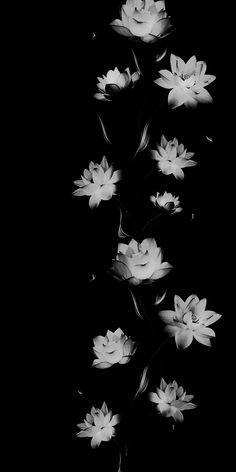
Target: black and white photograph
x,y
145,235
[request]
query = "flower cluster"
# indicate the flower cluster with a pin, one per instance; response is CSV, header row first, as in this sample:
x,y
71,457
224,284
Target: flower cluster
x,y
135,259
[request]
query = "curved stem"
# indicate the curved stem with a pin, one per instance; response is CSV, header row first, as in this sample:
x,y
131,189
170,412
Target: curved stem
x,y
149,222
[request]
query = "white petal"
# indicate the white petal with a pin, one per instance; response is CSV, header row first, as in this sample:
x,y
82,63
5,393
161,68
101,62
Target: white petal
x,y
183,338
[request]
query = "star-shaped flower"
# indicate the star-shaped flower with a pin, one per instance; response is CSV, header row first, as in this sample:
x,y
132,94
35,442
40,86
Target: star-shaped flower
x,y
189,321
172,157
187,81
98,182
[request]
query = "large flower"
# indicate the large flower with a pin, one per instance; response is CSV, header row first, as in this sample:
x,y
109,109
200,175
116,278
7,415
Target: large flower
x,y
98,182
189,320
139,263
112,349
166,201
146,20
172,157
187,81
98,425
171,400
111,84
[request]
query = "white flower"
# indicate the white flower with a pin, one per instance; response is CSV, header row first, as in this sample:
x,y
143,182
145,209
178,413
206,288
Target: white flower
x,y
112,349
172,157
98,182
189,320
98,425
166,201
187,81
139,262
146,20
115,81
171,400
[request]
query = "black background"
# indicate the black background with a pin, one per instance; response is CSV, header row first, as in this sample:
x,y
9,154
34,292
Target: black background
x,y
198,248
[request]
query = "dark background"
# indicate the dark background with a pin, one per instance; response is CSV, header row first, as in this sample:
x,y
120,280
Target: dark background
x,y
198,248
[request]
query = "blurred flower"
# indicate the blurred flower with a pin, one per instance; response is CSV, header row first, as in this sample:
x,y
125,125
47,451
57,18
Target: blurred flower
x,y
166,201
189,320
171,400
146,20
98,425
111,84
187,81
98,182
172,157
112,349
139,263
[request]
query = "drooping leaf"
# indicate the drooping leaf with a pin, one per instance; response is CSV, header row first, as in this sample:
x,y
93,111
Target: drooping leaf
x,y
160,298
136,62
143,382
160,56
137,311
144,139
121,233
104,131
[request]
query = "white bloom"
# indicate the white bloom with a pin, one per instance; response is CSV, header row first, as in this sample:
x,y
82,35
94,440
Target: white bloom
x,y
166,201
112,349
171,400
189,320
187,81
98,182
146,20
172,157
139,262
115,81
98,425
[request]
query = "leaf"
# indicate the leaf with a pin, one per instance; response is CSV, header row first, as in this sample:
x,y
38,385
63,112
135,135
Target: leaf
x,y
160,56
121,232
144,139
137,311
92,278
103,130
136,62
81,393
160,298
209,138
143,382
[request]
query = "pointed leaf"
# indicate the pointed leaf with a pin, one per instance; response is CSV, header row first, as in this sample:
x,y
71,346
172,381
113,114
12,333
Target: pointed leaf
x,y
103,130
160,298
137,311
143,382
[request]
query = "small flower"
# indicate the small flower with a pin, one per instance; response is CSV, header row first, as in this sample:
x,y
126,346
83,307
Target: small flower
x,y
171,400
115,81
98,425
187,81
98,182
144,20
139,263
172,157
166,201
112,349
189,320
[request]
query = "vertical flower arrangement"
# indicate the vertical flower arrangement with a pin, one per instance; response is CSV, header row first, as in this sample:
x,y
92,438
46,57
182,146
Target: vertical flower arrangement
x,y
149,311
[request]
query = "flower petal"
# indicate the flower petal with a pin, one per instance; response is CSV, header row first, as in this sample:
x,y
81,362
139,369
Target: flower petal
x,y
183,338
